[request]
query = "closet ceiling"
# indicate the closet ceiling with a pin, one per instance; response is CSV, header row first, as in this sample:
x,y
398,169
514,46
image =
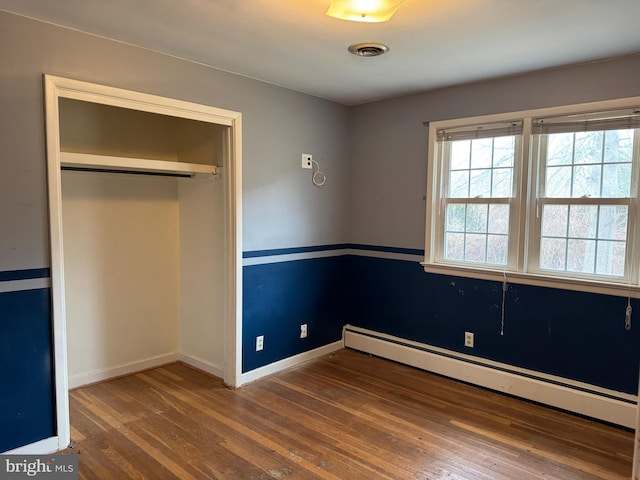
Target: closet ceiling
x,y
292,43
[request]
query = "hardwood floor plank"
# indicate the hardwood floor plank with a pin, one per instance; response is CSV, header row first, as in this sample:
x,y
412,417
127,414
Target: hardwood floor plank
x,y
346,416
269,418
337,435
393,436
561,419
397,428
203,426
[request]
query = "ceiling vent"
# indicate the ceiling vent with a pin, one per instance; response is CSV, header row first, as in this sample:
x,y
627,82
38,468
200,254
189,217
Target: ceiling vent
x,y
368,49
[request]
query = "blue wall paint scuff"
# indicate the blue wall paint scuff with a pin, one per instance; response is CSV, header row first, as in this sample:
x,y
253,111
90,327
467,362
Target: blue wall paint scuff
x,y
27,402
279,297
574,335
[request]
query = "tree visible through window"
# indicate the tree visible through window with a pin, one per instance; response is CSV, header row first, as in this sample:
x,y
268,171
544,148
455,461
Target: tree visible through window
x,y
479,169
585,204
551,195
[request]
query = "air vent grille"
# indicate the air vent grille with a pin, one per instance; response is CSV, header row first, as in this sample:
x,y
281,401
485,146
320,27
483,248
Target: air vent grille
x,y
368,49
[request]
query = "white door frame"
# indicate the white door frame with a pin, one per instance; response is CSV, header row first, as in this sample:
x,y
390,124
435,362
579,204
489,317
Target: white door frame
x,y
59,87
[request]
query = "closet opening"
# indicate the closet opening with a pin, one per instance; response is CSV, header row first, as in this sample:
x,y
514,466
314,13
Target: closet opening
x,y
144,202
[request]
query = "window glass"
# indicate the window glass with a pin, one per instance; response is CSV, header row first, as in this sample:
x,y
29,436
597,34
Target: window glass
x,y
578,237
589,164
567,206
479,168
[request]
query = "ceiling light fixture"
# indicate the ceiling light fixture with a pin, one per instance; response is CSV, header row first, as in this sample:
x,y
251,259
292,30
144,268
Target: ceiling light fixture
x,y
364,10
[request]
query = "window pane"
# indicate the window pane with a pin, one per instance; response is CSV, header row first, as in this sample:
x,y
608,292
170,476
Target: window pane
x,y
480,184
481,153
476,247
466,237
600,165
482,168
460,154
553,252
586,181
612,222
504,151
611,257
497,249
618,145
459,184
560,149
581,255
554,220
454,245
616,180
594,243
455,217
502,183
588,147
477,218
558,182
583,221
498,219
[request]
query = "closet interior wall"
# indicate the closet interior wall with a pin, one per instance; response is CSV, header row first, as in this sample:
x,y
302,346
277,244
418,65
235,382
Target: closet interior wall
x,y
143,254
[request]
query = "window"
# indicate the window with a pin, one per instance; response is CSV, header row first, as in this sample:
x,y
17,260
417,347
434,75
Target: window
x,y
478,191
547,196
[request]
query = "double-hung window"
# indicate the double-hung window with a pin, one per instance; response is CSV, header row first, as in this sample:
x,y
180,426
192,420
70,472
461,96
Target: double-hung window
x,y
478,173
547,197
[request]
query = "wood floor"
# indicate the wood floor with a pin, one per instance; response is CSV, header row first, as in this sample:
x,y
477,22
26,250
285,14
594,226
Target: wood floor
x,y
348,416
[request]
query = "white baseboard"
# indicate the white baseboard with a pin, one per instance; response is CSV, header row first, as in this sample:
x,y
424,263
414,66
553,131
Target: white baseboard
x,y
204,365
80,380
42,447
582,398
296,360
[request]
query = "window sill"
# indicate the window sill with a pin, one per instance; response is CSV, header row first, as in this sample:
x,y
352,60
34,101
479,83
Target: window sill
x,y
535,279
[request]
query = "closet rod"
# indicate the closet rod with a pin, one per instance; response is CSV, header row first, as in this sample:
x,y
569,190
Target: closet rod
x,y
128,172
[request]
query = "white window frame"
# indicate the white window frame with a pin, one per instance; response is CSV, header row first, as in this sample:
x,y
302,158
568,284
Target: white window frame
x,y
525,226
444,200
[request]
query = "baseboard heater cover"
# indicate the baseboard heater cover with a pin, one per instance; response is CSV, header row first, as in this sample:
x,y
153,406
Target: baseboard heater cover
x,y
581,398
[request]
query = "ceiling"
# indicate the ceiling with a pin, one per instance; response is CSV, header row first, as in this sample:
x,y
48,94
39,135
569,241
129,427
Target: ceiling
x,y
294,44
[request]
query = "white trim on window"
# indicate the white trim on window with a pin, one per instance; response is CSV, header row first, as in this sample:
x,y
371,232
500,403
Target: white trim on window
x,y
527,202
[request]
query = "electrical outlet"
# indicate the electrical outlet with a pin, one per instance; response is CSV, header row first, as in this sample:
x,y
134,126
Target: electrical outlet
x,y
307,161
468,339
303,330
259,343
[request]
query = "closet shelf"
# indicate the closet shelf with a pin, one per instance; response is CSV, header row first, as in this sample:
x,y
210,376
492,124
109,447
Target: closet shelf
x,y
105,162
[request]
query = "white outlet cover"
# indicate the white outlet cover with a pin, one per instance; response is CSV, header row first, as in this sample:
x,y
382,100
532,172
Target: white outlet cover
x,y
307,161
468,339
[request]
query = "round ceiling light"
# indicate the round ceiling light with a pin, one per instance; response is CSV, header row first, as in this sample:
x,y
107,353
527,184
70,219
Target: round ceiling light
x,y
368,49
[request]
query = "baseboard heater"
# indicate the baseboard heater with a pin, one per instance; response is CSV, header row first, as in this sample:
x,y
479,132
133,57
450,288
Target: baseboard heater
x,y
581,398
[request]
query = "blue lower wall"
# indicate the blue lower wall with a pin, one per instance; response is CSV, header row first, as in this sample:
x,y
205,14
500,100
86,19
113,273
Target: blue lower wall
x,y
279,297
27,405
575,335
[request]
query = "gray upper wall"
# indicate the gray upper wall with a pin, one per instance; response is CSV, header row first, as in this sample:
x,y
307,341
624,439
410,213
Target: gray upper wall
x,y
281,207
374,155
388,151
